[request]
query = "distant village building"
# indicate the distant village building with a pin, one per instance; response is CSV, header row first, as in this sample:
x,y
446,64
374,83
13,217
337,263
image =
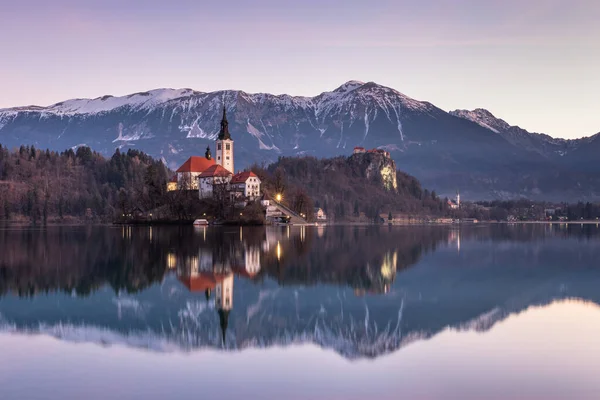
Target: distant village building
x,y
455,204
359,150
320,215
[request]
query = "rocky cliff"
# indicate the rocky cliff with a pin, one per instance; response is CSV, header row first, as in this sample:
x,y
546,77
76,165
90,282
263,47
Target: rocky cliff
x,y
378,166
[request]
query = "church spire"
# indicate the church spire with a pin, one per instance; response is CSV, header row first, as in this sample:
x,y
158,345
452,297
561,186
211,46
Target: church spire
x,y
223,322
224,132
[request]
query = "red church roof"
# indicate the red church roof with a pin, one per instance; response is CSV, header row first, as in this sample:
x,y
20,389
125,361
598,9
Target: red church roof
x,y
204,280
196,164
242,177
213,171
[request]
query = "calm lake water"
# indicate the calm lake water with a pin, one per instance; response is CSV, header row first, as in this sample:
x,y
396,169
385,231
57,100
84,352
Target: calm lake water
x,y
479,312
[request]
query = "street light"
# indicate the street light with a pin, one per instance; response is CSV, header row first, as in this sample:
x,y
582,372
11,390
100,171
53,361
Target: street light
x,y
278,197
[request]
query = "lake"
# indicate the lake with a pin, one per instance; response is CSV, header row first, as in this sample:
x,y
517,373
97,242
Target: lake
x,y
355,312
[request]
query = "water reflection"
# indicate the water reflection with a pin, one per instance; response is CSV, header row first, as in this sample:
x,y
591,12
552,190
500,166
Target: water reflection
x,y
361,291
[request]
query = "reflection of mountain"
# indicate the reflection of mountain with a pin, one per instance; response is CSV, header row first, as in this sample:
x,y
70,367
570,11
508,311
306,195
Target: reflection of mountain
x,y
302,292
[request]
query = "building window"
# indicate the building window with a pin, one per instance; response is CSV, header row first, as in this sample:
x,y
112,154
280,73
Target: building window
x,y
218,157
227,157
219,146
228,146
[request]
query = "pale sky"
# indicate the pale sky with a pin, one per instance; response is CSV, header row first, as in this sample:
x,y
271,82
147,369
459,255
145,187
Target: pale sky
x,y
534,63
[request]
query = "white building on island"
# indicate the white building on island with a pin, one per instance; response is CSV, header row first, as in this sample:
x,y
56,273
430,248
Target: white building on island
x,y
213,179
186,177
246,185
206,174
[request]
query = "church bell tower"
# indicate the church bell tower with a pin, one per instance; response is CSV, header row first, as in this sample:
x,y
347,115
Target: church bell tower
x,y
225,145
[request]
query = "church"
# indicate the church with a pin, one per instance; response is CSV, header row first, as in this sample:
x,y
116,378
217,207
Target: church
x,y
212,177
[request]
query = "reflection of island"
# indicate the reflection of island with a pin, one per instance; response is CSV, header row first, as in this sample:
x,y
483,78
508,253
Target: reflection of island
x,y
289,285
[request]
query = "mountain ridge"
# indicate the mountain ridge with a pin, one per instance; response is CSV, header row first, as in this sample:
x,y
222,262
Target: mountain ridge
x,y
445,151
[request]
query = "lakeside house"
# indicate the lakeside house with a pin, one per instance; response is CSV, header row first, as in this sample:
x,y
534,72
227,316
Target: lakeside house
x,y
320,215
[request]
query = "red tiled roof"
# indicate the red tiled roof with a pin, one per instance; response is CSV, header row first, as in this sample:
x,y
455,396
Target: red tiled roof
x,y
205,280
359,148
242,177
214,170
196,164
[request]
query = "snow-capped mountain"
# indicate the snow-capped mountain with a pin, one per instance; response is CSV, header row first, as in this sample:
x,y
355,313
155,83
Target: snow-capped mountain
x,y
537,142
472,151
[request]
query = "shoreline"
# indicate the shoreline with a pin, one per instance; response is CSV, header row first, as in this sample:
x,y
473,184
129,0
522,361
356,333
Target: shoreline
x,y
4,223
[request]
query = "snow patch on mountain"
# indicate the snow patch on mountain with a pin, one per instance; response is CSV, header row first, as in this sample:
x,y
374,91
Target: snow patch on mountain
x,y
483,118
136,101
6,118
251,129
137,133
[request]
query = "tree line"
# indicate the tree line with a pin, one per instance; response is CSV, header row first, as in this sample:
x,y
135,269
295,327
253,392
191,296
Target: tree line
x,y
43,185
341,187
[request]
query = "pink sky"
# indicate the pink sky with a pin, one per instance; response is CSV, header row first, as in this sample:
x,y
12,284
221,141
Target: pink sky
x,y
534,64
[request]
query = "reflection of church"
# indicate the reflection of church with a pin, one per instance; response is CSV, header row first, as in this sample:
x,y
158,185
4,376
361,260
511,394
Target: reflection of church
x,y
213,271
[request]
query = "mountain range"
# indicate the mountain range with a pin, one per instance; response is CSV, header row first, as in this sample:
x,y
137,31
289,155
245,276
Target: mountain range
x,y
474,152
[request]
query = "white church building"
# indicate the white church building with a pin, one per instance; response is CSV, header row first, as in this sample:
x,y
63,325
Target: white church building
x,y
210,176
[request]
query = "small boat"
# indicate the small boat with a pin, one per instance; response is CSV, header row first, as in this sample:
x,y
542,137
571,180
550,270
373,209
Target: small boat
x,y
201,222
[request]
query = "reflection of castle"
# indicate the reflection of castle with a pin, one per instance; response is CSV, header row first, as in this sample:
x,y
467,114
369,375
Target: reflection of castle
x,y
381,278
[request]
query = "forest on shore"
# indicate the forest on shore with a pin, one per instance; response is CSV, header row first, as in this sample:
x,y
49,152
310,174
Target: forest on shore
x,y
342,188
48,186
77,185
